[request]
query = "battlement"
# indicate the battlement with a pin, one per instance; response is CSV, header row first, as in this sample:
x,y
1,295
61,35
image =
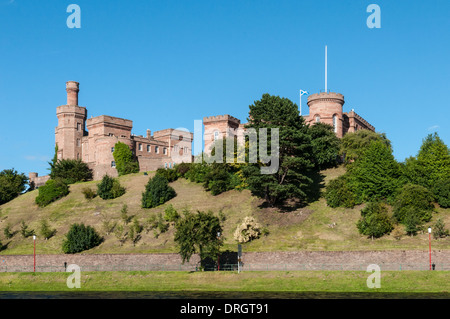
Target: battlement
x,y
360,119
326,97
221,118
110,121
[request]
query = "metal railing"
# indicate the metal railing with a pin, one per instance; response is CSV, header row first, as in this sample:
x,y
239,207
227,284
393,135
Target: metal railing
x,y
231,267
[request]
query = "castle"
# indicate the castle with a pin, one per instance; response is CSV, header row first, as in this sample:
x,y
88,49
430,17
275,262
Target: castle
x,y
95,146
93,140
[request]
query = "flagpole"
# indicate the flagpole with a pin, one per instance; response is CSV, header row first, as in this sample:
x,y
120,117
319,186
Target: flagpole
x,y
326,69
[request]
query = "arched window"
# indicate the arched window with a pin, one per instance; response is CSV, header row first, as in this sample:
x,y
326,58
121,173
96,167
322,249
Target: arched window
x,y
216,135
335,123
317,118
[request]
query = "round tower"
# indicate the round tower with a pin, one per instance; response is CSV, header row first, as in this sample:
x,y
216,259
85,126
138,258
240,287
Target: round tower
x,y
327,107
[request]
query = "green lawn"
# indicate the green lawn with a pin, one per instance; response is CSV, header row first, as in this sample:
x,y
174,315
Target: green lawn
x,y
272,281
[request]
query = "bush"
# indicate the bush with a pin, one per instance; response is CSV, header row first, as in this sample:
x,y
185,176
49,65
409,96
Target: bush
x,y
182,169
442,192
157,192
71,171
46,231
7,232
375,221
125,161
416,200
51,191
80,238
197,172
109,188
248,230
439,230
171,215
169,173
339,194
88,193
25,231
124,214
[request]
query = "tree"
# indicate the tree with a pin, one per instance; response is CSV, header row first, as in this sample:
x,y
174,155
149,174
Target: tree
x,y
294,154
71,171
375,175
197,233
439,230
413,200
157,192
431,165
12,184
339,193
80,238
325,145
375,221
109,188
354,144
46,231
442,191
125,161
51,191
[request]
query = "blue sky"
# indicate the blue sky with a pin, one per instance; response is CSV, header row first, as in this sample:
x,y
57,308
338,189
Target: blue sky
x,y
167,63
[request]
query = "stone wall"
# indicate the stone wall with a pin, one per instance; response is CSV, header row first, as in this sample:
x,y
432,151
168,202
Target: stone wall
x,y
298,260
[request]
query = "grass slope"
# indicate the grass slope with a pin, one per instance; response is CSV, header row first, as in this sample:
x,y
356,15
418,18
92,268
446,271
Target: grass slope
x,y
314,227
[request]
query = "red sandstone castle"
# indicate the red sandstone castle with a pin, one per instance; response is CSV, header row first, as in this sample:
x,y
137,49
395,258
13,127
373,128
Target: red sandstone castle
x,y
95,146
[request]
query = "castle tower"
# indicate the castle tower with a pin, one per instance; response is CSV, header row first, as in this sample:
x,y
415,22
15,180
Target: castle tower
x,y
219,127
327,107
71,125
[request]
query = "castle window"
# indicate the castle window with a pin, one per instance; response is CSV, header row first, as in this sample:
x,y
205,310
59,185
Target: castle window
x,y
140,147
112,149
78,127
165,151
185,150
165,165
317,118
78,142
149,148
113,164
335,123
216,135
156,149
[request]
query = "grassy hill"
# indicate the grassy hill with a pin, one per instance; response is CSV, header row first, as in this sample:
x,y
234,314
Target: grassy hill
x,y
314,227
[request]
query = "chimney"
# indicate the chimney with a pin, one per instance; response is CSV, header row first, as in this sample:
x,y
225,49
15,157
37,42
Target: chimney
x,y
72,89
149,133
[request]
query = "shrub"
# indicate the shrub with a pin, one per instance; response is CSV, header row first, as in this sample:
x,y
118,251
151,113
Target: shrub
x,y
88,193
248,230
375,221
439,230
197,172
442,192
339,194
51,191
80,238
46,231
7,232
169,173
416,200
125,161
171,215
25,231
124,214
71,171
182,169
109,188
157,192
